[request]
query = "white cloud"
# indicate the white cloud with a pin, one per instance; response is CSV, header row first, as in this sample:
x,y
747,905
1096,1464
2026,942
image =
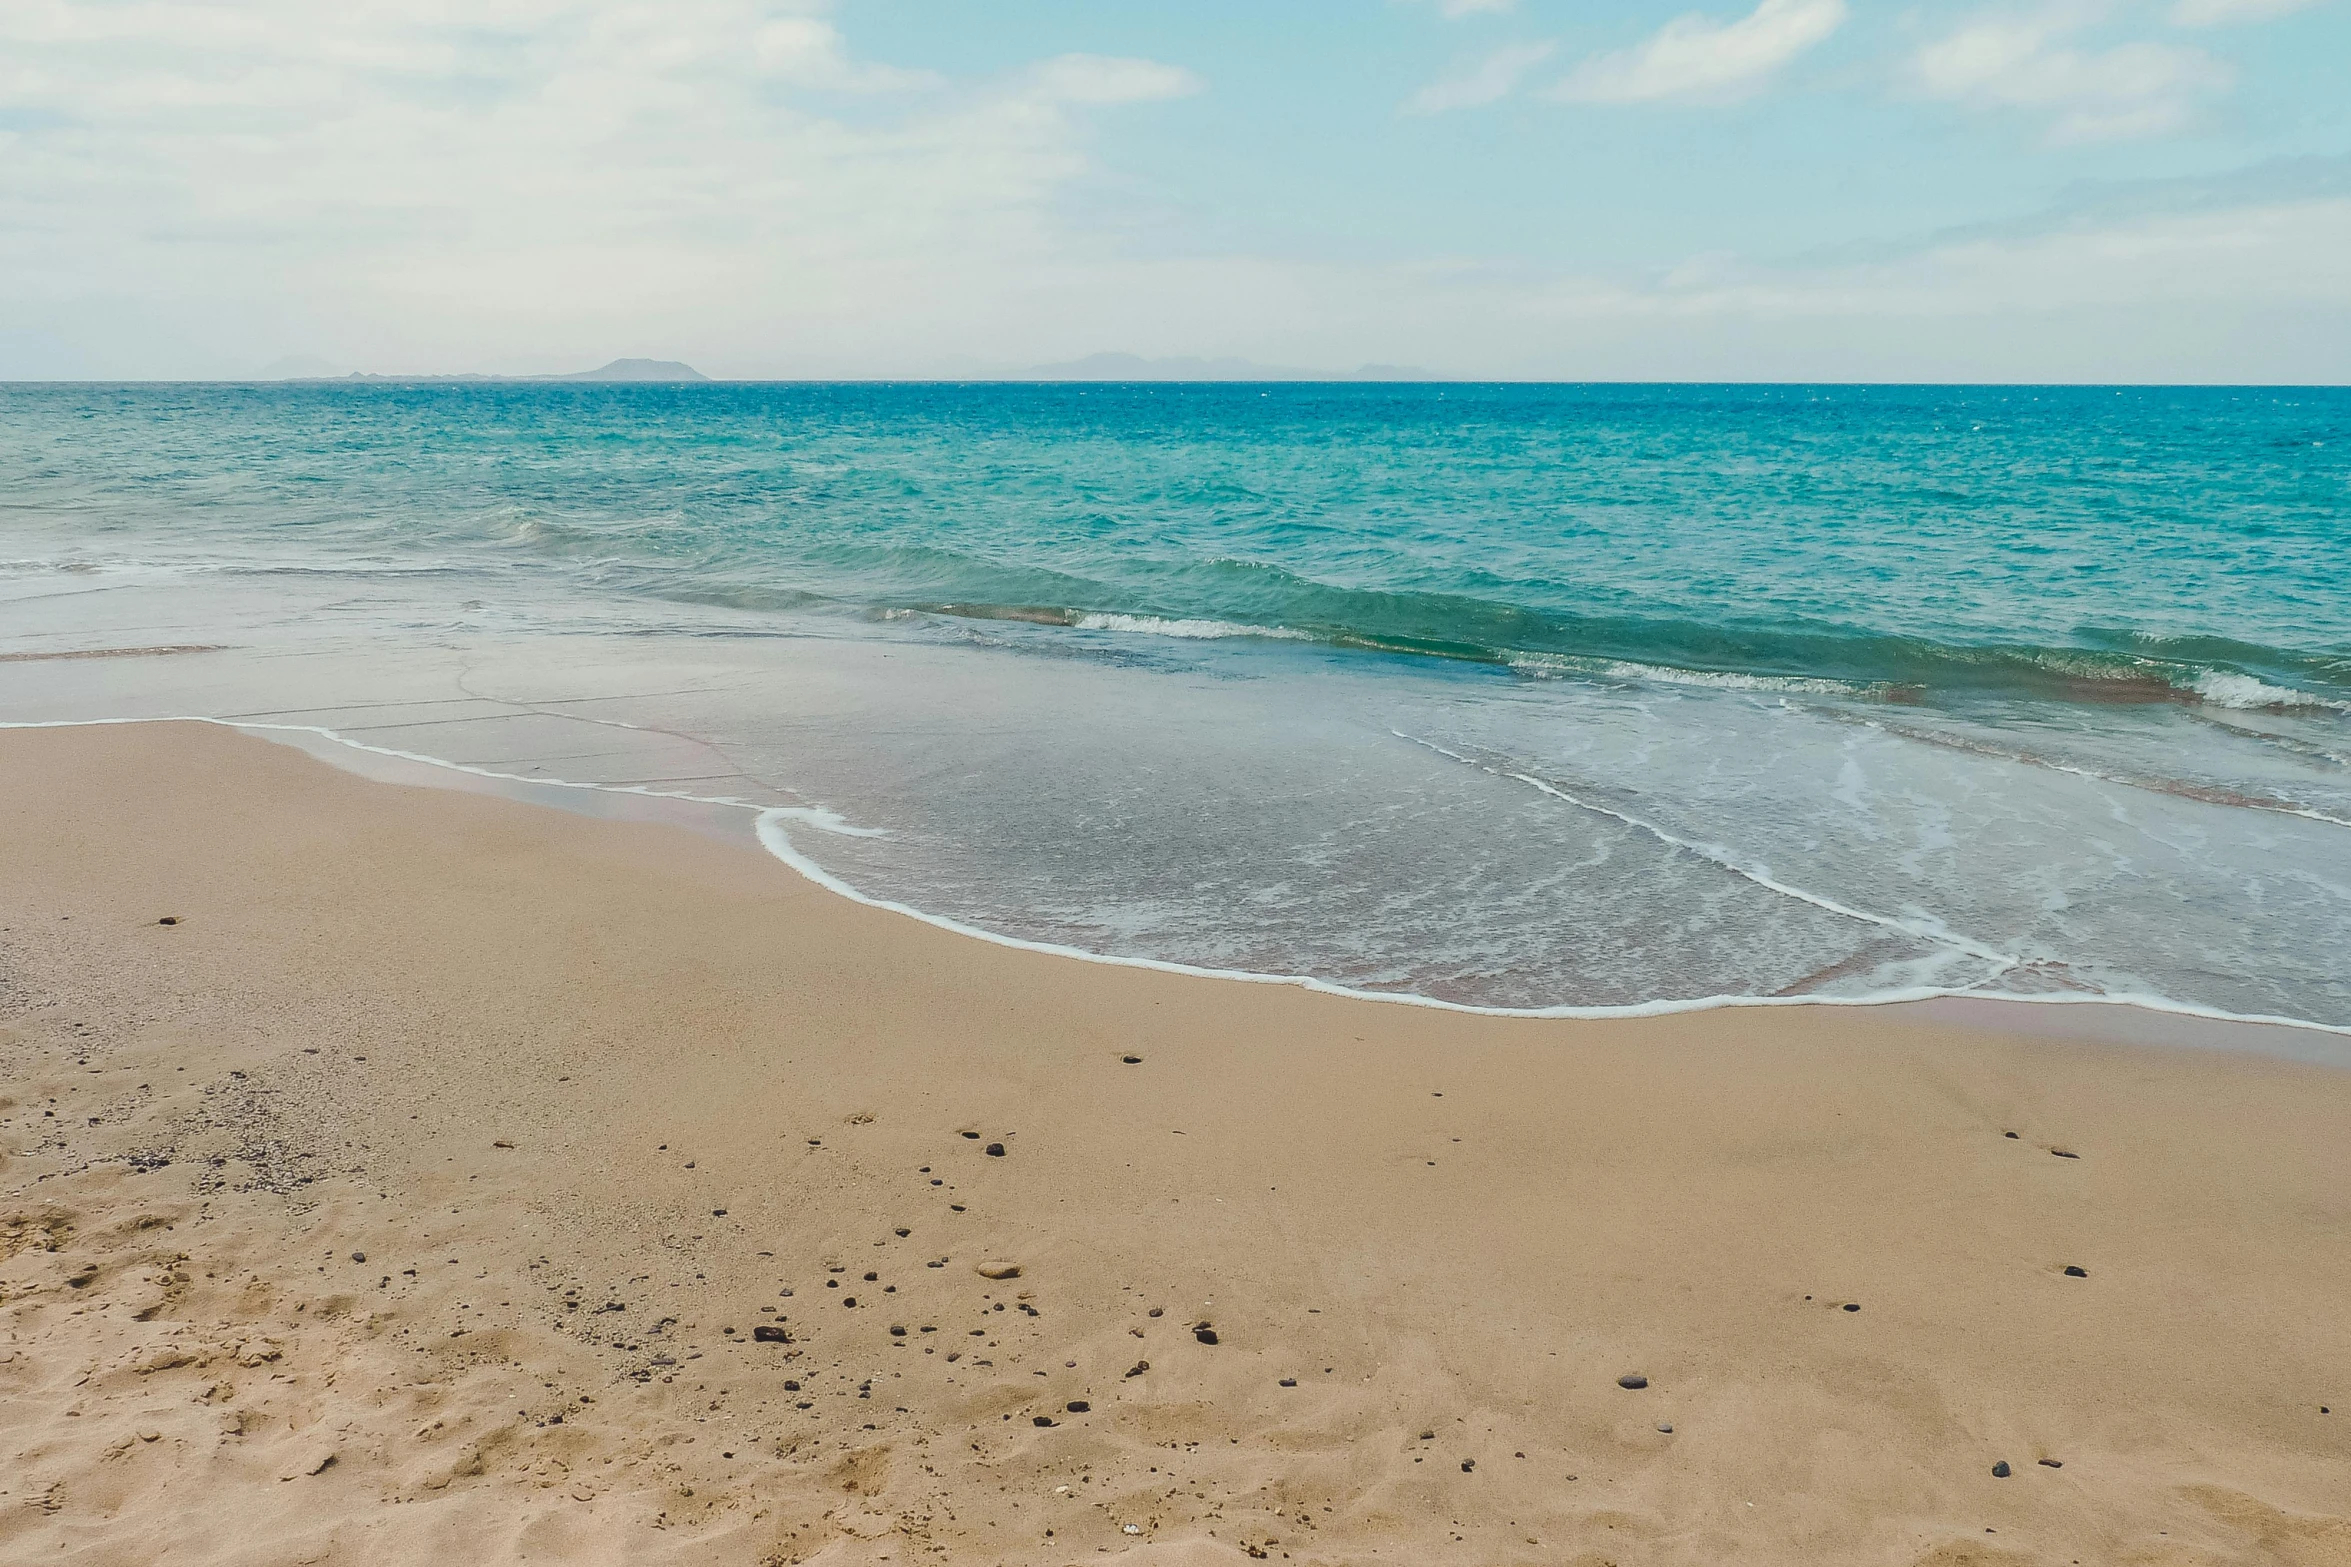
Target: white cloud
x,y
1483,81
2221,13
2027,62
1102,79
544,184
1695,57
453,184
808,51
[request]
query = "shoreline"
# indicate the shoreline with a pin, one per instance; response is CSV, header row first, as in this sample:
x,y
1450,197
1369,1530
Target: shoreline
x,y
414,1194
2222,1029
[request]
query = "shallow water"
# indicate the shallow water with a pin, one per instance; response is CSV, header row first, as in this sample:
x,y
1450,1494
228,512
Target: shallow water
x,y
1524,697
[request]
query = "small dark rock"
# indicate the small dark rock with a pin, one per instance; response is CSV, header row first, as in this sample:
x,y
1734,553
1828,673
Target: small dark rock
x,y
1138,1368
974,1136
897,1332
718,1213
1633,1381
1129,1060
1204,1333
791,1387
2011,1136
359,1256
1158,1311
1467,1464
2052,1463
2073,1272
902,1234
169,919
2000,1470
2062,1154
1667,1429
995,1150
1078,1406
873,1278
1042,1420
848,1300
768,1333
1289,1381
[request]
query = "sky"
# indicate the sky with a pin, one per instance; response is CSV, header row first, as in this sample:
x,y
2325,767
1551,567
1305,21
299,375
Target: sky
x,y
1789,190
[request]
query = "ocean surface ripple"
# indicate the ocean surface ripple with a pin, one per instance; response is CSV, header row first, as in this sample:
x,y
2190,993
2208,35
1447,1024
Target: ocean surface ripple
x,y
1518,696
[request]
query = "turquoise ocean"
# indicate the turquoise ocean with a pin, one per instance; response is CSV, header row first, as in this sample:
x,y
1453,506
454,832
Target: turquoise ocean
x,y
1526,697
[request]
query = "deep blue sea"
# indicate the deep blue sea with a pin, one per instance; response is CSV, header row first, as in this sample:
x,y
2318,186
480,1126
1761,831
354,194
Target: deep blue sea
x,y
1536,697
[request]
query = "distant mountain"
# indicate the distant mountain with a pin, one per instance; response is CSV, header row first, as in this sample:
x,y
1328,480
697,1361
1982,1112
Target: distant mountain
x,y
619,370
1134,367
632,370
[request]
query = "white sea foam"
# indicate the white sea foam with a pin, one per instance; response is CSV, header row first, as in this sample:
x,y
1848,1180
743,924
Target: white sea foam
x,y
1554,665
1161,626
772,824
2225,688
1923,929
2232,799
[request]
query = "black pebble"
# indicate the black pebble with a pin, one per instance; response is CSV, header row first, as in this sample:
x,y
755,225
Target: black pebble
x,y
2000,1470
873,1278
1158,1311
1138,1368
718,1213
2052,1463
1289,1381
766,1334
169,919
1078,1406
1042,1420
359,1256
1850,1306
1129,1060
1467,1464
995,1150
791,1387
897,1332
848,1300
1204,1333
1635,1382
2011,1136
902,1234
2062,1154
2073,1272
974,1136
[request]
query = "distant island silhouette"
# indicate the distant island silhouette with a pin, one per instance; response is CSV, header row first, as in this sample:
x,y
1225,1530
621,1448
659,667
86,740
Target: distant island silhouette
x,y
617,370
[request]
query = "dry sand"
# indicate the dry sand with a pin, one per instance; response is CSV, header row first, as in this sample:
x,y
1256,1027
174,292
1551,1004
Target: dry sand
x,y
414,1198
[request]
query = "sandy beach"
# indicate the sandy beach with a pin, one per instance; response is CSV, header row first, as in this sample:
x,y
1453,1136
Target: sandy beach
x,y
398,1175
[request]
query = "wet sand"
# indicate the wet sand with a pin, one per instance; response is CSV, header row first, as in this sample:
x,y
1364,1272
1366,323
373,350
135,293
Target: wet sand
x,y
421,1192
